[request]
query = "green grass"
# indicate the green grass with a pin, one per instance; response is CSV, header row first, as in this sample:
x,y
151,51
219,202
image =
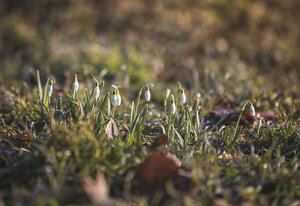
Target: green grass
x,y
232,52
240,162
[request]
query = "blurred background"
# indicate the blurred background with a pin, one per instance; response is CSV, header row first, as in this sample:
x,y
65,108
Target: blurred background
x,y
200,43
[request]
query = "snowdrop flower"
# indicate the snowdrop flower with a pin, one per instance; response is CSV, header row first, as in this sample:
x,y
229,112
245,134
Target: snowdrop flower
x,y
252,110
96,91
198,95
182,94
50,88
173,106
114,99
147,94
118,96
182,97
75,84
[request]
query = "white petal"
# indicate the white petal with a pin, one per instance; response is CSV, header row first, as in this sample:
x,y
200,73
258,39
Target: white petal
x,y
182,98
50,90
96,92
75,86
173,108
119,100
114,100
147,95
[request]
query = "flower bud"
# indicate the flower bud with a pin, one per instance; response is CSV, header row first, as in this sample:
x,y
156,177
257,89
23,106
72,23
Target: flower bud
x,y
173,108
75,84
181,93
147,94
50,88
96,91
182,97
114,100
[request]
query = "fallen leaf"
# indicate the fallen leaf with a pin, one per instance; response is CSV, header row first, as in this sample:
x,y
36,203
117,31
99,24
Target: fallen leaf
x,y
12,137
247,113
160,140
156,171
23,139
111,129
97,190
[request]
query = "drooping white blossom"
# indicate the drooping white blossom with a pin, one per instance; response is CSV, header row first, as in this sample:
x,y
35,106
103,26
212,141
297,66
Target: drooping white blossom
x,y
173,108
182,97
181,93
96,91
114,100
147,94
50,88
75,84
173,105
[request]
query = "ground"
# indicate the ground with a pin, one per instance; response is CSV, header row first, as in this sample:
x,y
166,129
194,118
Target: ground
x,y
234,141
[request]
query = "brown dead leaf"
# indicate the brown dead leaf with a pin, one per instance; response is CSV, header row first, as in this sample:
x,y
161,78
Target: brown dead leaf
x,y
23,140
111,129
97,190
247,113
160,140
156,171
156,174
16,136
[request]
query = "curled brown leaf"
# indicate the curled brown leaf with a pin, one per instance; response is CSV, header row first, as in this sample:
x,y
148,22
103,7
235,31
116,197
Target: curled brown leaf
x,y
160,140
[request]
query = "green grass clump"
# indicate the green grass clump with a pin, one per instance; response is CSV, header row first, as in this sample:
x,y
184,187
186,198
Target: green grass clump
x,y
86,132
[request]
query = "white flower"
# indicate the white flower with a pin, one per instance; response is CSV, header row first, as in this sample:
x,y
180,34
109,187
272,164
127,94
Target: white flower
x,y
198,95
173,108
182,94
50,90
75,85
114,100
252,111
182,97
96,91
119,100
147,95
